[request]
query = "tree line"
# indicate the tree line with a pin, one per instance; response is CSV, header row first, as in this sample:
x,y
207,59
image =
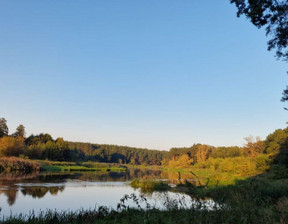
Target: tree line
x,y
44,147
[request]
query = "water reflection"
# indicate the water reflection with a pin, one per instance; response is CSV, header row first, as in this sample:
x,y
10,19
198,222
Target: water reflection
x,y
11,196
74,190
37,185
39,192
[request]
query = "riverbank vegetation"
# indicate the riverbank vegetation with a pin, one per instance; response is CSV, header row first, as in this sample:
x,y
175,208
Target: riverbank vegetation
x,y
248,184
12,164
55,166
260,199
204,163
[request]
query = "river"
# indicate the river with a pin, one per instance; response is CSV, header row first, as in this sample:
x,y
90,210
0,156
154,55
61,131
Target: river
x,y
35,192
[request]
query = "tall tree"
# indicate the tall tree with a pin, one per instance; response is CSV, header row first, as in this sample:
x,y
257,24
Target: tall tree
x,y
10,146
254,146
3,127
20,131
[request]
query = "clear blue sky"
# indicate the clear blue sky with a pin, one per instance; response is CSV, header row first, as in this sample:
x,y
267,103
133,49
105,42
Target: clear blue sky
x,y
154,74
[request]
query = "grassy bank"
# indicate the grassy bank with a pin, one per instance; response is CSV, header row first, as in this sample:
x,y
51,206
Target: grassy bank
x,y
11,164
242,212
137,216
206,176
52,166
80,168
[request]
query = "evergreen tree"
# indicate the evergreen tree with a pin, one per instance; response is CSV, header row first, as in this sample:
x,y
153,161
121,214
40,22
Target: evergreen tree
x,y
3,127
20,131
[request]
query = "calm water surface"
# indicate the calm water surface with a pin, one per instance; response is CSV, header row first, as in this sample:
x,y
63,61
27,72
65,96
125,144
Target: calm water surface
x,y
72,191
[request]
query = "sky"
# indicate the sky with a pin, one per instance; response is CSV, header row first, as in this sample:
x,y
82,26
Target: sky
x,y
150,74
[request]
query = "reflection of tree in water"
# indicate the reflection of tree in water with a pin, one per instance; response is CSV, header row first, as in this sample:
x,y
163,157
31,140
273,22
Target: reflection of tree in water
x,y
35,192
11,195
17,175
9,181
104,176
55,190
119,176
177,178
143,173
55,177
172,177
39,192
9,189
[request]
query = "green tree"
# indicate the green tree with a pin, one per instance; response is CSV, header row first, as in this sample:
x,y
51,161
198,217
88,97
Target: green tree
x,y
11,146
20,131
275,141
254,146
3,127
38,139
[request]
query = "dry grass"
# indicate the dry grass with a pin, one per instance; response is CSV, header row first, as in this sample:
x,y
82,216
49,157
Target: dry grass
x,y
9,164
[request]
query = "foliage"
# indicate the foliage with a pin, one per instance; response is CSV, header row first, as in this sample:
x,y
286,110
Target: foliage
x,y
259,199
253,147
38,139
262,162
226,152
275,141
81,168
20,131
11,146
240,166
118,154
53,166
182,162
196,153
271,14
3,127
219,165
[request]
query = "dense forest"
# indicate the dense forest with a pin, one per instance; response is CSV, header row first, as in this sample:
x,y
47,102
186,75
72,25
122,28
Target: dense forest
x,y
255,156
44,147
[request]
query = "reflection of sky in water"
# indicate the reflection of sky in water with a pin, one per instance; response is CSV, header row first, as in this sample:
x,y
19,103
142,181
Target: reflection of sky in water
x,y
72,183
73,197
76,195
73,191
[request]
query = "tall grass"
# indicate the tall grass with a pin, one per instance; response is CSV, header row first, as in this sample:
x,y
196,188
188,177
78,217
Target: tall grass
x,y
244,213
80,166
81,169
9,164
